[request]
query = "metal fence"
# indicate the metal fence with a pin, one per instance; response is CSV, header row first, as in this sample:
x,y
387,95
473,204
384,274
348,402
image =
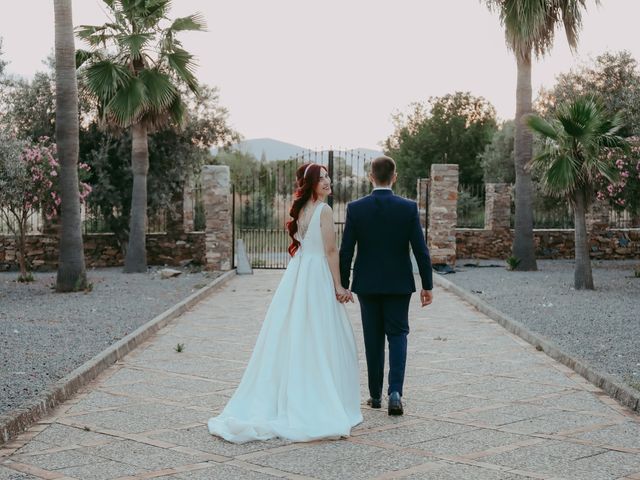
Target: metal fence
x,y
470,207
93,221
34,223
548,213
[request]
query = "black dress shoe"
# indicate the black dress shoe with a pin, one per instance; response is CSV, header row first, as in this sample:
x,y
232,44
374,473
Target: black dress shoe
x,y
374,402
395,404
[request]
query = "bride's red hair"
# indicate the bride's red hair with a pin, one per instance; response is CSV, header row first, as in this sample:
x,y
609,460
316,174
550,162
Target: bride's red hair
x,y
307,179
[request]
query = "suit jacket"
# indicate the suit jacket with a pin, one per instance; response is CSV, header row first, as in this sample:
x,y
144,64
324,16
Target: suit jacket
x,y
383,225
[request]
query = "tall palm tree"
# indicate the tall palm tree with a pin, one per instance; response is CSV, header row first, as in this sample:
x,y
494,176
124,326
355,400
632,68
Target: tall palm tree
x,y
530,29
71,268
571,161
136,84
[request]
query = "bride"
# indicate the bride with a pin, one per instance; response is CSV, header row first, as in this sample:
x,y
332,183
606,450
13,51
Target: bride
x,y
302,381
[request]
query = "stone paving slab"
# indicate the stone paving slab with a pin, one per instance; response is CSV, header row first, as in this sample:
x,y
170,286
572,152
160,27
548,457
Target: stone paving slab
x,y
480,404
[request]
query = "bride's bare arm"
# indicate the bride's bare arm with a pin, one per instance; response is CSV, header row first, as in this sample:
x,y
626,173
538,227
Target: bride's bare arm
x,y
331,249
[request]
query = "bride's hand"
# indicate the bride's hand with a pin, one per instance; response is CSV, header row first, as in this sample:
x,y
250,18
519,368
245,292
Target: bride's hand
x,y
343,295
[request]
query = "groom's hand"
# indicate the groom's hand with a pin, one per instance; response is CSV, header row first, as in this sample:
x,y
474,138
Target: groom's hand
x,y
342,294
426,297
350,297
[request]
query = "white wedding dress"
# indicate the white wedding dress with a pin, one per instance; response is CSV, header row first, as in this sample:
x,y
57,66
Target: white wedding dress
x,y
302,382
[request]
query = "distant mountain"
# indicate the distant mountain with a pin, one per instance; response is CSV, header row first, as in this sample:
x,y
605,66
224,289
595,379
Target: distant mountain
x,y
277,150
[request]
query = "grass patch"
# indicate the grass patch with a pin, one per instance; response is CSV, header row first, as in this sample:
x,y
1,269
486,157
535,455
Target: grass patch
x,y
512,263
28,278
632,382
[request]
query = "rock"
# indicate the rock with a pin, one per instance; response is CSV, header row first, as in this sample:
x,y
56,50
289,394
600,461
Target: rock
x,y
169,272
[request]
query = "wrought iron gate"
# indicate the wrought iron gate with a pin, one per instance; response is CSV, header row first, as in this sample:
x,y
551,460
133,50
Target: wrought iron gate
x,y
261,201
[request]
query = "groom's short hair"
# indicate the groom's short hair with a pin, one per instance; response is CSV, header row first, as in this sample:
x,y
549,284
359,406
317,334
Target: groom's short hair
x,y
382,170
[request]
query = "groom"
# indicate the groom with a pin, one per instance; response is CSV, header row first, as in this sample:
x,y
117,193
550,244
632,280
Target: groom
x,y
382,226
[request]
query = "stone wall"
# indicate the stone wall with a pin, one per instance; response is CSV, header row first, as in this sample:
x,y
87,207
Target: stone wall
x,y
212,248
103,250
612,244
495,240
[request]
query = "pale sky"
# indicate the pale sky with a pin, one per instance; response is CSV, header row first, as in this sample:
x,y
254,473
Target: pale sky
x,y
331,73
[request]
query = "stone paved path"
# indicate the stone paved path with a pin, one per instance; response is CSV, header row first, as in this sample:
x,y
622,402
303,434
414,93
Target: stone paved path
x,y
480,403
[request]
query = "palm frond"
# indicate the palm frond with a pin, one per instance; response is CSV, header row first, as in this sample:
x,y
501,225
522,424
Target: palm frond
x,y
608,170
182,64
192,22
83,56
530,25
581,118
98,35
134,43
160,91
572,161
146,13
104,78
572,19
562,175
177,111
541,126
129,103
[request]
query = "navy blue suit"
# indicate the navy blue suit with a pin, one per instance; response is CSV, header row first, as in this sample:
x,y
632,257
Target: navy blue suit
x,y
383,226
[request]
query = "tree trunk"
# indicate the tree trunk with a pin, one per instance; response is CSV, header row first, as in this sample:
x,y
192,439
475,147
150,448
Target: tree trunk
x,y
136,259
523,244
583,279
21,250
71,268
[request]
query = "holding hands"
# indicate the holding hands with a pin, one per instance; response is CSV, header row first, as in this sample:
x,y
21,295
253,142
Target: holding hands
x,y
343,295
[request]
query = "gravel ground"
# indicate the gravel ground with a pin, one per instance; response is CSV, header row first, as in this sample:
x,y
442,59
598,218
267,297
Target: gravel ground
x,y
601,327
45,335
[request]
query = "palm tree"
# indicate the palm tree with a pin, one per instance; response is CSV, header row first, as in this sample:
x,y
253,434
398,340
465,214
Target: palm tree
x,y
137,85
571,161
530,29
71,268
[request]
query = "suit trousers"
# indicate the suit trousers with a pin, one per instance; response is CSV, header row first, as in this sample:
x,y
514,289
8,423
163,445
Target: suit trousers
x,y
385,316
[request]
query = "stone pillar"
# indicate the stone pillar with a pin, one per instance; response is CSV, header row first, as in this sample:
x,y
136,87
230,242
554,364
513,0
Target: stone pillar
x,y
497,206
189,204
423,200
216,195
443,217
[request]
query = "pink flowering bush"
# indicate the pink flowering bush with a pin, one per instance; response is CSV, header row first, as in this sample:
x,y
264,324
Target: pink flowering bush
x,y
29,176
43,169
625,193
